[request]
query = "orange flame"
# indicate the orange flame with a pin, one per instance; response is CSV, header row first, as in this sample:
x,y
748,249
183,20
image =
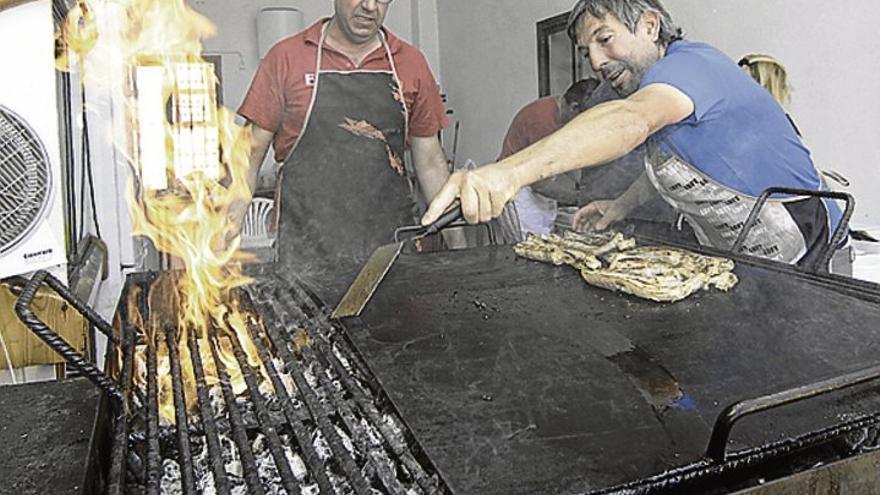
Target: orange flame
x,y
201,157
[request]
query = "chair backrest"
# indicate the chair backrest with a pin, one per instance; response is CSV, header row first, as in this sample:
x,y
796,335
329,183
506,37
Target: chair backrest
x,y
256,221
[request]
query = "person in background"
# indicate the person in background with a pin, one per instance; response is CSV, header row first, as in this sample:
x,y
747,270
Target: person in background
x,y
715,141
536,212
340,103
772,75
550,205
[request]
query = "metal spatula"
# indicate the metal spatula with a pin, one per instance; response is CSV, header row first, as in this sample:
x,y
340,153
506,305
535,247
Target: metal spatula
x,y
375,269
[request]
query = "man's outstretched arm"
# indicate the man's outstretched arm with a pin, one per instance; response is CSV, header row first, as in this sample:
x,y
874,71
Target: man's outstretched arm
x,y
599,135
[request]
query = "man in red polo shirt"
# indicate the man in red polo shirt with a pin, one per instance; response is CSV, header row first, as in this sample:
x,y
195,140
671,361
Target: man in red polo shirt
x,y
339,103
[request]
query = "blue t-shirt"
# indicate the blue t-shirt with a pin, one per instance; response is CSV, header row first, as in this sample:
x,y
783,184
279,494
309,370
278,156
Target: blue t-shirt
x,y
738,134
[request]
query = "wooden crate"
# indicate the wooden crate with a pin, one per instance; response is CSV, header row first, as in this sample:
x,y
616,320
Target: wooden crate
x,y
25,348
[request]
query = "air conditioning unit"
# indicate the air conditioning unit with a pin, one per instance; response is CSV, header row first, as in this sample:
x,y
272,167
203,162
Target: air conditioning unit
x,y
31,213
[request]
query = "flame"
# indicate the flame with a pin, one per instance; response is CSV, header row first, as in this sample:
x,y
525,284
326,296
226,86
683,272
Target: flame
x,y
187,178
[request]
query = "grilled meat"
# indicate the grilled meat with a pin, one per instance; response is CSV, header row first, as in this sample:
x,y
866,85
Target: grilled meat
x,y
611,261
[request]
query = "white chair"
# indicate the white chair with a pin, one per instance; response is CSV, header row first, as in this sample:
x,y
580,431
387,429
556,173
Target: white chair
x,y
255,228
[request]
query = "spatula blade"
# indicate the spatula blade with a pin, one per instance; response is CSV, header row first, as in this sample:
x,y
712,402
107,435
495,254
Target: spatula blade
x,y
367,281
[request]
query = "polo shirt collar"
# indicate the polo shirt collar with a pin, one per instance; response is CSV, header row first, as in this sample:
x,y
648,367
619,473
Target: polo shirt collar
x,y
313,35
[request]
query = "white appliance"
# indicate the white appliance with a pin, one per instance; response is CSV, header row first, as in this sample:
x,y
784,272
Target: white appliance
x,y
276,23
866,265
31,213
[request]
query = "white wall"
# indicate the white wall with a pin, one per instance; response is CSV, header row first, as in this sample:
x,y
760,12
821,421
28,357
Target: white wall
x,y
489,58
488,52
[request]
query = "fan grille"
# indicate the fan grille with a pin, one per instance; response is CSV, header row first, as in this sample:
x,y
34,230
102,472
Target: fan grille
x,y
24,179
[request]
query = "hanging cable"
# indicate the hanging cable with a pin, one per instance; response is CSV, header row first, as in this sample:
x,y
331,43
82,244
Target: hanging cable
x,y
87,169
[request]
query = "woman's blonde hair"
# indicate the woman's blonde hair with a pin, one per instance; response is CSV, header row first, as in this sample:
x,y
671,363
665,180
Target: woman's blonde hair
x,y
770,73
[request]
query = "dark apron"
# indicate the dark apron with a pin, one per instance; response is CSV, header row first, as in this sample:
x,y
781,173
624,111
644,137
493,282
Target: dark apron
x,y
340,193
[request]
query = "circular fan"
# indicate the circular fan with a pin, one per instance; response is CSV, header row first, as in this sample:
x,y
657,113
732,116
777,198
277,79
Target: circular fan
x,y
25,178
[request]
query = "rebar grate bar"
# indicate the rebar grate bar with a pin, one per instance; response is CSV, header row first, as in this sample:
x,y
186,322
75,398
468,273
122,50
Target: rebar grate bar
x,y
221,482
184,454
239,435
152,475
119,452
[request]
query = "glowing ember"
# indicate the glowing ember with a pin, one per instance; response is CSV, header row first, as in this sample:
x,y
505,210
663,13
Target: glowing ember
x,y
189,159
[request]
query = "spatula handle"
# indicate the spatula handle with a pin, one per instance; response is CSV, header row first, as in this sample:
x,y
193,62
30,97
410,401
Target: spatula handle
x,y
444,221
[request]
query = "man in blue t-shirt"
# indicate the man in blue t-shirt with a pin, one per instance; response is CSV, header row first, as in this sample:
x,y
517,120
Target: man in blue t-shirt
x,y
716,140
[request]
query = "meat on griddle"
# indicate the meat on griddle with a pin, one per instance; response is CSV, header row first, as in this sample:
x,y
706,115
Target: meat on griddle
x,y
611,261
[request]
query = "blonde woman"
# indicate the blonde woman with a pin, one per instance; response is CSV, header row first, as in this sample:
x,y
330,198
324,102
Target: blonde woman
x,y
772,75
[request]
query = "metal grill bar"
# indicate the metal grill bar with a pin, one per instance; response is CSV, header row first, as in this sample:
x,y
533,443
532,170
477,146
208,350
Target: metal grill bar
x,y
152,474
119,451
313,403
56,342
251,476
221,482
316,465
184,453
288,480
325,347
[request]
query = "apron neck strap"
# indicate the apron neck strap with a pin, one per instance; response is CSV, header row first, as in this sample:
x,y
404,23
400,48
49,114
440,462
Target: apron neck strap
x,y
397,82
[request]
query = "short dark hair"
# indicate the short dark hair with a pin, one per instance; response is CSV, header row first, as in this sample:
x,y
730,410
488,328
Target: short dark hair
x,y
628,12
581,91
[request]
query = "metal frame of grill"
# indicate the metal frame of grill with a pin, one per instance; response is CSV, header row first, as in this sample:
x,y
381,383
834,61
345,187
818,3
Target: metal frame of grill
x,y
370,449
22,159
358,395
777,459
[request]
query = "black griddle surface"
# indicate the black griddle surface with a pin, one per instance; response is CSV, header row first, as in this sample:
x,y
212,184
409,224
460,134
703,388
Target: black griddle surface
x,y
509,372
44,436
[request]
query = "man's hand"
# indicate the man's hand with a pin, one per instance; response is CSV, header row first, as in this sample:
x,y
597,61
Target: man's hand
x,y
598,215
483,193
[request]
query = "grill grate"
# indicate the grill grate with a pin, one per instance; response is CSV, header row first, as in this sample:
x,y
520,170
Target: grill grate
x,y
309,421
24,179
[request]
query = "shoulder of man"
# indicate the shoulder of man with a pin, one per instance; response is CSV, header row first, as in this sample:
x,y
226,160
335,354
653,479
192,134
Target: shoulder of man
x,y
405,54
542,107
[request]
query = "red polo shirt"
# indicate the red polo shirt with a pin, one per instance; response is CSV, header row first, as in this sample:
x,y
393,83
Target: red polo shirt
x,y
532,123
281,91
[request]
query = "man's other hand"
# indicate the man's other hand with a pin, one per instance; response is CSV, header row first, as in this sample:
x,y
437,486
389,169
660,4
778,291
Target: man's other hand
x,y
598,215
483,193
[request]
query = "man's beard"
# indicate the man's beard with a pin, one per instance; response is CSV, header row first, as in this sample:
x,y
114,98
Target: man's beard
x,y
636,74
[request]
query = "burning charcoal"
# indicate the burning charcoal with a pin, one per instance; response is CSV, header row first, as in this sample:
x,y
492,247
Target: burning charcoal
x,y
296,463
321,446
346,440
289,384
310,376
171,478
266,389
230,456
374,436
217,403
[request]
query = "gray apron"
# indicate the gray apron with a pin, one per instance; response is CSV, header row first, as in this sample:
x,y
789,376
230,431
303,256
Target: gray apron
x,y
343,190
790,230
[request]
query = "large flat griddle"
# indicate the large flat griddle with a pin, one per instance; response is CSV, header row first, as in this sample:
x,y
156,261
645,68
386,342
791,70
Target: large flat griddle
x,y
516,377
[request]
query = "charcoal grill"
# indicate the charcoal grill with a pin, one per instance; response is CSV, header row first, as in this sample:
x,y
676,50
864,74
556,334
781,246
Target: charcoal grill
x,y
516,377
317,424
476,372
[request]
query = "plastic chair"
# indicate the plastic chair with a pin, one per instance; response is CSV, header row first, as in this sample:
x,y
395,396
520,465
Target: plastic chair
x,y
255,228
